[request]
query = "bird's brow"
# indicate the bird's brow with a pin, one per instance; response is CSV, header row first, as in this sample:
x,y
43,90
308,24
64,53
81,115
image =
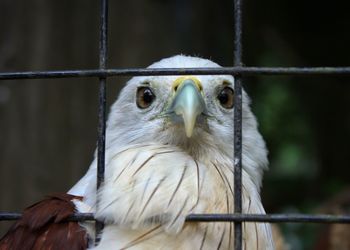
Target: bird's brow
x,y
226,82
145,83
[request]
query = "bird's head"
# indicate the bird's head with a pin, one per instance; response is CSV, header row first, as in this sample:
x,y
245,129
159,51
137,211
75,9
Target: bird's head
x,y
194,113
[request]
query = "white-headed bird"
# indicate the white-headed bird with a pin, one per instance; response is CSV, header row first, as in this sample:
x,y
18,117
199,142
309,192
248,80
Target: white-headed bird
x,y
169,153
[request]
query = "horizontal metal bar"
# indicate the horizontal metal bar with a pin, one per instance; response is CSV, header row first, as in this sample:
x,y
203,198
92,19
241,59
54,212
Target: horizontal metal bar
x,y
10,216
247,71
76,217
273,218
6,216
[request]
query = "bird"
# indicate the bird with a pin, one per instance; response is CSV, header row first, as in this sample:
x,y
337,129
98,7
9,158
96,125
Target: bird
x,y
169,153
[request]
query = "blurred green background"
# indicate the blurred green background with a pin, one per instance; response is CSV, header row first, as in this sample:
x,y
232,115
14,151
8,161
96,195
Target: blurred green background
x,y
48,127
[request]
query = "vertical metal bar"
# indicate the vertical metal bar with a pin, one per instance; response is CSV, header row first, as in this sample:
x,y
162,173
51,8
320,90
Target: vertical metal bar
x,y
238,124
102,106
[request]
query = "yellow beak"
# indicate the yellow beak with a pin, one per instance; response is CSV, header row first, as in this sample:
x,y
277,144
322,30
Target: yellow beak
x,y
188,102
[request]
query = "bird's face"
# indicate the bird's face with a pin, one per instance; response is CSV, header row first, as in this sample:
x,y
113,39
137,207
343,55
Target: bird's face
x,y
187,110
180,110
188,103
191,112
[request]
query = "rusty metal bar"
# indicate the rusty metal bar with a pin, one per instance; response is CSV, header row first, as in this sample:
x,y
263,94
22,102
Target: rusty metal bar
x,y
102,107
263,218
243,71
237,175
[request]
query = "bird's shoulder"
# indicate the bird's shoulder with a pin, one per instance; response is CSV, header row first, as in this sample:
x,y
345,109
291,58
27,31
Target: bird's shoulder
x,y
44,225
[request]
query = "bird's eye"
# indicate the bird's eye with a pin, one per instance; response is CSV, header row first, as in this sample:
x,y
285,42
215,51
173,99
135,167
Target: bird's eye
x,y
226,98
144,97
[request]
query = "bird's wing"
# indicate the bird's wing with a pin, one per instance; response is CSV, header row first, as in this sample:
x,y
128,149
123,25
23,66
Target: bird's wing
x,y
44,226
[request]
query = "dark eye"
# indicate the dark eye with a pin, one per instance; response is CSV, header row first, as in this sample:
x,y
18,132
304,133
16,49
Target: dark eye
x,y
144,97
226,98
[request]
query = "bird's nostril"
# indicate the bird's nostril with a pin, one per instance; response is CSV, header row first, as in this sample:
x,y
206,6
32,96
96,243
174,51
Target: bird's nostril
x,y
177,83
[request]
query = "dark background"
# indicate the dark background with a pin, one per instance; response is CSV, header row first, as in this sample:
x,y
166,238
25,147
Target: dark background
x,y
48,127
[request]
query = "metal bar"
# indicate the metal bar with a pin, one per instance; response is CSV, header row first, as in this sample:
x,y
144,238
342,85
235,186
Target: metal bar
x,y
273,218
239,70
101,108
237,135
237,56
8,216
270,218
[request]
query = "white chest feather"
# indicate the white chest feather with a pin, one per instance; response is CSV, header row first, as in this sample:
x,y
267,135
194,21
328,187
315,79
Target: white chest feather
x,y
149,190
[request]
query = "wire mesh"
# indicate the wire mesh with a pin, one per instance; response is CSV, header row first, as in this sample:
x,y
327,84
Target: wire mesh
x,y
238,70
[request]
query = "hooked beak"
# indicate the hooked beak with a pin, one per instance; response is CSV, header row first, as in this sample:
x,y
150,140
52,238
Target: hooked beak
x,y
187,102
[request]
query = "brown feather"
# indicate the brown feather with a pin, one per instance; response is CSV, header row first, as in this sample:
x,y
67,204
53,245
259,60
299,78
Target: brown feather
x,y
43,226
335,236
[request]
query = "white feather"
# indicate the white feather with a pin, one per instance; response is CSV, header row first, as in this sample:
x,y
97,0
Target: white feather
x,y
155,175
